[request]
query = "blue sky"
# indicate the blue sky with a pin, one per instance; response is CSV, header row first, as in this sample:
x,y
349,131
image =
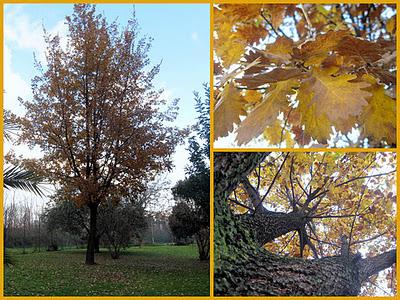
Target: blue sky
x,y
180,35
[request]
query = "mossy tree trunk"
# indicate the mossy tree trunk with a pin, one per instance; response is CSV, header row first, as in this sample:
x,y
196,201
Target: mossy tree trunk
x,y
242,267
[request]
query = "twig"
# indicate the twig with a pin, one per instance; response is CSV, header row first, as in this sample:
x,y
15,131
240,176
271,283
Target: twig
x,y
240,204
370,239
291,238
354,218
273,180
272,26
310,26
363,177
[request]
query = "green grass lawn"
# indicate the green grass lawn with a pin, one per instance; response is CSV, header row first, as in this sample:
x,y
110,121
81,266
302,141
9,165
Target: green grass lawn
x,y
149,270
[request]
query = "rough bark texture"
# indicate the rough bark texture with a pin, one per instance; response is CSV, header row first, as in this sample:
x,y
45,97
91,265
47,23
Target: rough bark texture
x,y
267,225
242,267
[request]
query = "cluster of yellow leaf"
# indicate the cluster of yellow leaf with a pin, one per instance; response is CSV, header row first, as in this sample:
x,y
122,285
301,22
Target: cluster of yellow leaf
x,y
296,90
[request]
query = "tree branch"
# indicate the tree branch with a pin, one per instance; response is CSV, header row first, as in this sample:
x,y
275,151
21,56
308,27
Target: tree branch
x,y
273,180
372,265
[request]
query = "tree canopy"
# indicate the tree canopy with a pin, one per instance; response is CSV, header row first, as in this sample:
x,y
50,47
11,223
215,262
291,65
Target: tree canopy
x,y
306,75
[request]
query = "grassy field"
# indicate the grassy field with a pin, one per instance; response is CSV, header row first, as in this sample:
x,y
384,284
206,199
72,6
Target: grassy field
x,y
149,270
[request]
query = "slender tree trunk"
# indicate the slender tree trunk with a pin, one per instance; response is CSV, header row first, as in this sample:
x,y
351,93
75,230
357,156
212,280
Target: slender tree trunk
x,y
39,234
92,234
242,267
152,230
24,235
203,243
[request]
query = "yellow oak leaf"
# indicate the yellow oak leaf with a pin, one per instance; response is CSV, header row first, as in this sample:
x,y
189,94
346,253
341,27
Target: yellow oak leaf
x,y
227,110
228,46
335,97
379,117
391,24
266,112
273,133
252,33
280,52
252,96
316,125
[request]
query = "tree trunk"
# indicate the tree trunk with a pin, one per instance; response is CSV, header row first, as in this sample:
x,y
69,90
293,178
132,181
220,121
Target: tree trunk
x,y
242,267
39,234
203,243
92,234
97,244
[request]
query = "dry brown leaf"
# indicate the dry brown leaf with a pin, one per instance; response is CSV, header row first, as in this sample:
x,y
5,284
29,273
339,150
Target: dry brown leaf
x,y
312,53
300,136
252,33
280,52
358,51
277,74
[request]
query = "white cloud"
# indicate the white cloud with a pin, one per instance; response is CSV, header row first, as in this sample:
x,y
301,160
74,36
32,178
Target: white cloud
x,y
195,36
14,85
24,33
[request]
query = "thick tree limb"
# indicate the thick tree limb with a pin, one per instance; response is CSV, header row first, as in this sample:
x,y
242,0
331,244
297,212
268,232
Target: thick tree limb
x,y
372,265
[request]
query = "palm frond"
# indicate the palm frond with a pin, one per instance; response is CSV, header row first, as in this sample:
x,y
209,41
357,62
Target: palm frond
x,y
18,178
9,129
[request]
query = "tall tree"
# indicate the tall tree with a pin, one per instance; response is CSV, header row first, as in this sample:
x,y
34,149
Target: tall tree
x,y
195,189
96,115
332,203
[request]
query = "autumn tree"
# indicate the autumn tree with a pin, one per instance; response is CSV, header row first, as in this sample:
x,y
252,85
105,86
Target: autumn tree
x,y
304,223
96,115
306,75
195,188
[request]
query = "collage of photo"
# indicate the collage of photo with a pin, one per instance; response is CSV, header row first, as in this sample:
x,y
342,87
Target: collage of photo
x,y
199,149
